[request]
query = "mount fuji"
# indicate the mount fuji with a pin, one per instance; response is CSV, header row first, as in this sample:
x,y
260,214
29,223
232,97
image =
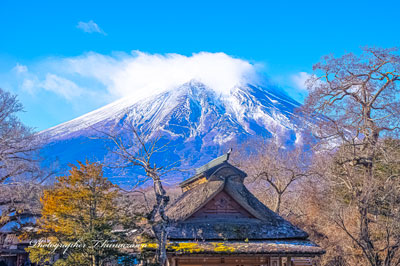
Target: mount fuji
x,y
198,122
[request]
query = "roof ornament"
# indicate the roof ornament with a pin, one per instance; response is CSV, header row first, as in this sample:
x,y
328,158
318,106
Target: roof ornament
x,y
229,153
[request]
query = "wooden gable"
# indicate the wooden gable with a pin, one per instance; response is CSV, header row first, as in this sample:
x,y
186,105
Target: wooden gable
x,y
221,205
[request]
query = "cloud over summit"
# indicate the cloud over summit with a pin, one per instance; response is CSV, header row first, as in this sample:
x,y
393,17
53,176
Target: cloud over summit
x,y
140,74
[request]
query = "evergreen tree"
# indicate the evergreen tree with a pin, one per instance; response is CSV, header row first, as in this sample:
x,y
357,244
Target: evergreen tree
x,y
81,211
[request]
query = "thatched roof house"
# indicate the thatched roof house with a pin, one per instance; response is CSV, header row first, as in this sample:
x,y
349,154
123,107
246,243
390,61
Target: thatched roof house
x,y
218,221
12,249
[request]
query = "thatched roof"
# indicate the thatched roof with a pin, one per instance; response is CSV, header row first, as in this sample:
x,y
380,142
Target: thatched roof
x,y
192,200
265,223
217,214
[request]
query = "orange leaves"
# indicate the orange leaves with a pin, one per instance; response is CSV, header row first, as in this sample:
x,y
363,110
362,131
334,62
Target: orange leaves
x,y
78,201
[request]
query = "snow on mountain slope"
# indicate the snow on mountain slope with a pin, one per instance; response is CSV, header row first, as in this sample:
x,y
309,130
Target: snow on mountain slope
x,y
196,121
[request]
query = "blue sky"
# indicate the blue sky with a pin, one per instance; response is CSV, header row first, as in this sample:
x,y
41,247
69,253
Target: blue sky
x,y
38,40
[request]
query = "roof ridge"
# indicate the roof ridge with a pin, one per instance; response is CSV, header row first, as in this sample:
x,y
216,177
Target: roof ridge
x,y
221,159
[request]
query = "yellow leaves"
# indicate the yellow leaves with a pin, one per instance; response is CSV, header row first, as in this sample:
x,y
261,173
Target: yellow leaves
x,y
145,246
81,205
189,247
39,255
221,247
186,247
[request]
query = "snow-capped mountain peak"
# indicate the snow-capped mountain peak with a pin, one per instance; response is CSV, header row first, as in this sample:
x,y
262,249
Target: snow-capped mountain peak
x,y
195,119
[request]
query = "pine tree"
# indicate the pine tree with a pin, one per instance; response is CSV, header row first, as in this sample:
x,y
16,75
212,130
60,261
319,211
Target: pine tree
x,y
80,211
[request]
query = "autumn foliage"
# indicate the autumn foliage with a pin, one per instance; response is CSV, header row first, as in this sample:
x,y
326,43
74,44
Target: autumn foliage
x,y
80,210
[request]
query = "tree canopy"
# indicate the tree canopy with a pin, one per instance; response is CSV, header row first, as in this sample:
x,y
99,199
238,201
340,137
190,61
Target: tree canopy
x,y
81,210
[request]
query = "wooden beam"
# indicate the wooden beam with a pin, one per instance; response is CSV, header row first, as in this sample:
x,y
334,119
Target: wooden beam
x,y
173,261
289,261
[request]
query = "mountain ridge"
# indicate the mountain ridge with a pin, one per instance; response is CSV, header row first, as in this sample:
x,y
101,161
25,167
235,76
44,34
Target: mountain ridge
x,y
195,119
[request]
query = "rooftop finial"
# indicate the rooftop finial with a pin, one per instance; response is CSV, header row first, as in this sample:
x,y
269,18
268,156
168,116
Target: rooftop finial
x,y
229,153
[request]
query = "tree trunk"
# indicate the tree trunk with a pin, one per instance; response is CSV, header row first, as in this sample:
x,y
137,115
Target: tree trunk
x,y
161,233
163,248
95,260
278,203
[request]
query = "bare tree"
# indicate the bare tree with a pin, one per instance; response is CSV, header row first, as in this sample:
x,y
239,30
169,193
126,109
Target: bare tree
x,y
17,142
277,165
19,203
137,150
354,102
19,163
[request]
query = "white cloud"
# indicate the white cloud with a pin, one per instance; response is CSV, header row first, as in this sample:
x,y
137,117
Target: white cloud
x,y
32,83
90,27
299,80
137,75
61,86
141,74
20,68
29,85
